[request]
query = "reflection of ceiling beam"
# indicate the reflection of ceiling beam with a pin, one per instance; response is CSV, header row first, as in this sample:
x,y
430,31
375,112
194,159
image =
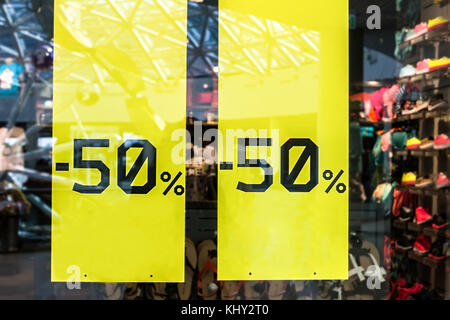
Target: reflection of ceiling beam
x,y
266,41
263,44
20,45
8,50
236,42
18,24
34,36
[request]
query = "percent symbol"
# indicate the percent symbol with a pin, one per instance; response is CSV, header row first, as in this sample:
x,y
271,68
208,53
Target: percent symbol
x,y
166,177
328,175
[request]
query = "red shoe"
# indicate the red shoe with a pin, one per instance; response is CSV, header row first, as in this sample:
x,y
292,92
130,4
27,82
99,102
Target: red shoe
x,y
443,181
422,216
441,142
420,29
423,66
405,293
422,244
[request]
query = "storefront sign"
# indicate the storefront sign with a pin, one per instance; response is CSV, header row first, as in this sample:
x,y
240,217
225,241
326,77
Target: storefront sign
x,y
283,114
119,94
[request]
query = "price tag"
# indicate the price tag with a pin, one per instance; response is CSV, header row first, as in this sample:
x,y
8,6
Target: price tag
x,y
119,95
283,115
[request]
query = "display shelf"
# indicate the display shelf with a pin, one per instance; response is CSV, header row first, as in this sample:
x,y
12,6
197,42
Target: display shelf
x,y
437,35
427,153
403,118
429,191
433,45
400,225
416,191
434,192
434,233
436,85
428,77
441,114
420,153
417,115
416,228
401,153
403,252
433,263
415,256
408,117
410,189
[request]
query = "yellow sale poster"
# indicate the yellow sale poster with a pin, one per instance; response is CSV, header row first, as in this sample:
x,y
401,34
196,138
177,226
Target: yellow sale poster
x,y
283,115
119,94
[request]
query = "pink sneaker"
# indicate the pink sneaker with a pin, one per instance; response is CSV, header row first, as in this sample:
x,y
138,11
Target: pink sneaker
x,y
420,29
443,181
441,142
423,66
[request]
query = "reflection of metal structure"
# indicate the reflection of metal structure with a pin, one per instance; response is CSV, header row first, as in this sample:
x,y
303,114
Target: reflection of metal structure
x,y
262,45
120,17
129,21
20,31
203,39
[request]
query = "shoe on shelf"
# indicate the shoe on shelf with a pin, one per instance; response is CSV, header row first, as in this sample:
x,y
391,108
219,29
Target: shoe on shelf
x,y
408,107
423,66
439,250
407,71
440,221
436,64
427,143
409,179
441,142
422,216
436,23
438,102
422,244
422,105
410,110
423,182
419,30
405,242
442,181
413,143
406,214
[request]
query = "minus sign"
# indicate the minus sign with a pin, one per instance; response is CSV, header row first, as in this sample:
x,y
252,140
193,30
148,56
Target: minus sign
x,y
226,166
62,167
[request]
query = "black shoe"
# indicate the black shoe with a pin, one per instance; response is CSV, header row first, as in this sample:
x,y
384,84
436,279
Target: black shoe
x,y
439,250
406,214
440,221
406,242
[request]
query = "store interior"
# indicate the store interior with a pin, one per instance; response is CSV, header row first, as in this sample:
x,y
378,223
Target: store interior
x,y
399,153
